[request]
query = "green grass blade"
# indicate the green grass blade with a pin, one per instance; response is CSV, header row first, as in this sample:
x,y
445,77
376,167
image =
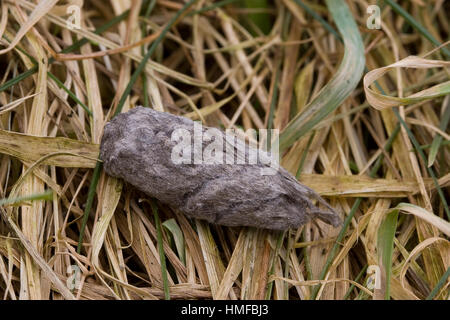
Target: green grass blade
x,y
89,201
261,20
162,256
341,84
280,239
273,103
437,140
47,195
50,75
386,235
8,84
314,14
336,245
172,226
419,150
70,93
422,155
97,170
305,153
149,53
416,25
352,212
439,285
71,48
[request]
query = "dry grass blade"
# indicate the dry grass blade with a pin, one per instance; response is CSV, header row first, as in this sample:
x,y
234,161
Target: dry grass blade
x,y
31,148
429,217
62,288
39,11
340,85
380,101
